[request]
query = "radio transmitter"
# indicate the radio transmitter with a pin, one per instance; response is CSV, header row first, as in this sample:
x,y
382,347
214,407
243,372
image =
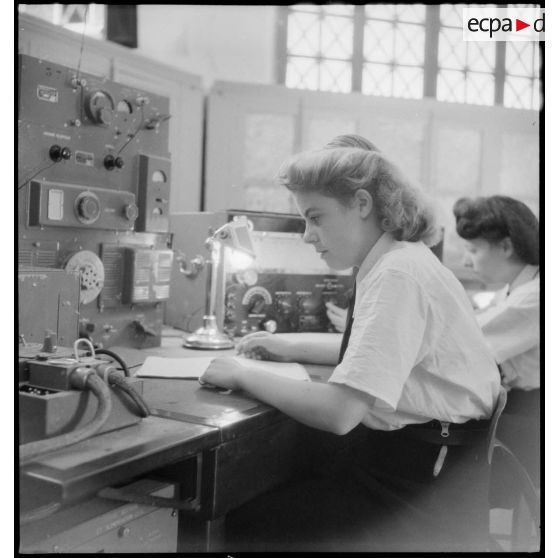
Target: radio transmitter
x,y
285,290
94,177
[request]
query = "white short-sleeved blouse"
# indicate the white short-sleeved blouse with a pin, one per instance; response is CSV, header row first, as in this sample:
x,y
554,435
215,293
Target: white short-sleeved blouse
x,y
511,326
415,345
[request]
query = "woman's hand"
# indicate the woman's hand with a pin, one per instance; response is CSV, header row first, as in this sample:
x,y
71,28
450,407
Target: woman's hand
x,y
263,345
337,316
223,372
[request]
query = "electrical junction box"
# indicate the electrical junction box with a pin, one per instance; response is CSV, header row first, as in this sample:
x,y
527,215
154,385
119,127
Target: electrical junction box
x,y
47,408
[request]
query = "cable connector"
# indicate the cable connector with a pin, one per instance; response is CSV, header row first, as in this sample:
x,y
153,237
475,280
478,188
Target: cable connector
x,y
107,372
79,376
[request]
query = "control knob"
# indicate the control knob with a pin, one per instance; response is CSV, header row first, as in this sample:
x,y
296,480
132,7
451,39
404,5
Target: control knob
x,y
284,306
88,208
270,325
110,162
257,304
131,211
100,108
57,153
308,304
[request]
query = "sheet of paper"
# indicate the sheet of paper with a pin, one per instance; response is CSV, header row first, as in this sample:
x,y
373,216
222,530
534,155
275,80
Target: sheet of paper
x,y
194,367
164,367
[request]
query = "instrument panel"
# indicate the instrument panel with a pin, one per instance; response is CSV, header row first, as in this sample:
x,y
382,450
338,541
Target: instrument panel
x,y
94,175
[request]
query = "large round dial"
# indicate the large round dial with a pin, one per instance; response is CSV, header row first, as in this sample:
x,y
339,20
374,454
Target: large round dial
x,y
100,107
88,208
256,299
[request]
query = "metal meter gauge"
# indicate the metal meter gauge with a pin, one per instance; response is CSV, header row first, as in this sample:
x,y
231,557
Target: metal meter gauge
x,y
256,299
87,208
91,273
99,106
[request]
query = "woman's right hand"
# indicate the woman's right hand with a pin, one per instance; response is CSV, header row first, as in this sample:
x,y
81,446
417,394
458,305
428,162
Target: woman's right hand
x,y
263,345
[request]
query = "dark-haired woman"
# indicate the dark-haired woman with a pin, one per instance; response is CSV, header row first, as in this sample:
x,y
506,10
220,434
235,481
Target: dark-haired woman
x,y
502,243
413,367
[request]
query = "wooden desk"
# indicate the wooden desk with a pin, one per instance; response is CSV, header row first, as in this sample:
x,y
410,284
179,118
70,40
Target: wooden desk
x,y
240,448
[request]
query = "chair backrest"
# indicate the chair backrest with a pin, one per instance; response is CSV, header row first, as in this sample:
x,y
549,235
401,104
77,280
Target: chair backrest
x,y
525,489
522,483
500,404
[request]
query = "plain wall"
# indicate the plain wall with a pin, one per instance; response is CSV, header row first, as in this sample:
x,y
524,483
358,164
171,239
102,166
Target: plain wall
x,y
215,42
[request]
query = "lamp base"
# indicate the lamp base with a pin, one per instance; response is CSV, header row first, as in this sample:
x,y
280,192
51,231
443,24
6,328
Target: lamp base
x,y
208,337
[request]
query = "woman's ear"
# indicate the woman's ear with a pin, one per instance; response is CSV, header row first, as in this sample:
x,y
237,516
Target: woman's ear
x,y
364,202
507,247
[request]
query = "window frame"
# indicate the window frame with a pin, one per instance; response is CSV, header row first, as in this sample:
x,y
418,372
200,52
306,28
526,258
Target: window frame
x,y
432,25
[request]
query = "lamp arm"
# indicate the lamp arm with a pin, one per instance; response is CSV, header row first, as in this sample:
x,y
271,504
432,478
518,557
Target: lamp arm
x,y
215,275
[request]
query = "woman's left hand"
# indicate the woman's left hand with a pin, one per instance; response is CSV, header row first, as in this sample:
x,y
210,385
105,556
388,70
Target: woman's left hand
x,y
223,372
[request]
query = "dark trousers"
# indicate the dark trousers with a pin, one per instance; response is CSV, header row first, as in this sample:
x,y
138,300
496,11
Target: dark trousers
x,y
372,492
519,428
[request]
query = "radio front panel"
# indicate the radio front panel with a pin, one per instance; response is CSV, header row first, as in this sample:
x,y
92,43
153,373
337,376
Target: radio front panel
x,y
94,175
283,302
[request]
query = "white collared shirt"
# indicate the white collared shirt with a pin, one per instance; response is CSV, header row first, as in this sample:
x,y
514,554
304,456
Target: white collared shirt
x,y
511,326
415,345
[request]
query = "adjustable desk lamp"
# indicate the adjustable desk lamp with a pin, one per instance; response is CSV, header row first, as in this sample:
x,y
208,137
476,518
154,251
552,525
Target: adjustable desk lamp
x,y
232,237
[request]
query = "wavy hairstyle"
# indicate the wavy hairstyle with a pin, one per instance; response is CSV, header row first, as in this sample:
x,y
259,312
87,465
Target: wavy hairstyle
x,y
351,140
339,172
497,217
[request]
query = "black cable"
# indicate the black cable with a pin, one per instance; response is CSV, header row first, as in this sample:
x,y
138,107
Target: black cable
x,y
130,138
38,172
100,389
113,355
117,381
82,41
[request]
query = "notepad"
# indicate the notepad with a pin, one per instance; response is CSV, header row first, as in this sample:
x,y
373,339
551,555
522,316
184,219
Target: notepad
x,y
194,367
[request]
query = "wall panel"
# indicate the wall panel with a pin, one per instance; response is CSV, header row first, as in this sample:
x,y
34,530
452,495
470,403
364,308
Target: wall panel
x,y
450,150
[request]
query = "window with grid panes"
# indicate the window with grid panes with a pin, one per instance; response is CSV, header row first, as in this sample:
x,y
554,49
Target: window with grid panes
x,y
522,72
465,68
383,49
522,83
71,16
393,50
320,47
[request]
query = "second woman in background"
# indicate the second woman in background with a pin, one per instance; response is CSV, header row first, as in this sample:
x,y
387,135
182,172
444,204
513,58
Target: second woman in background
x,y
502,243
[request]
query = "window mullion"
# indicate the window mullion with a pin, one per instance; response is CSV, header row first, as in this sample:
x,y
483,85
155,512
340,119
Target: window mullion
x,y
358,48
431,38
500,73
281,44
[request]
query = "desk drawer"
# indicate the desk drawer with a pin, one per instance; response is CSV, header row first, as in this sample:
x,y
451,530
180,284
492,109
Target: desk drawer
x,y
99,525
250,465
